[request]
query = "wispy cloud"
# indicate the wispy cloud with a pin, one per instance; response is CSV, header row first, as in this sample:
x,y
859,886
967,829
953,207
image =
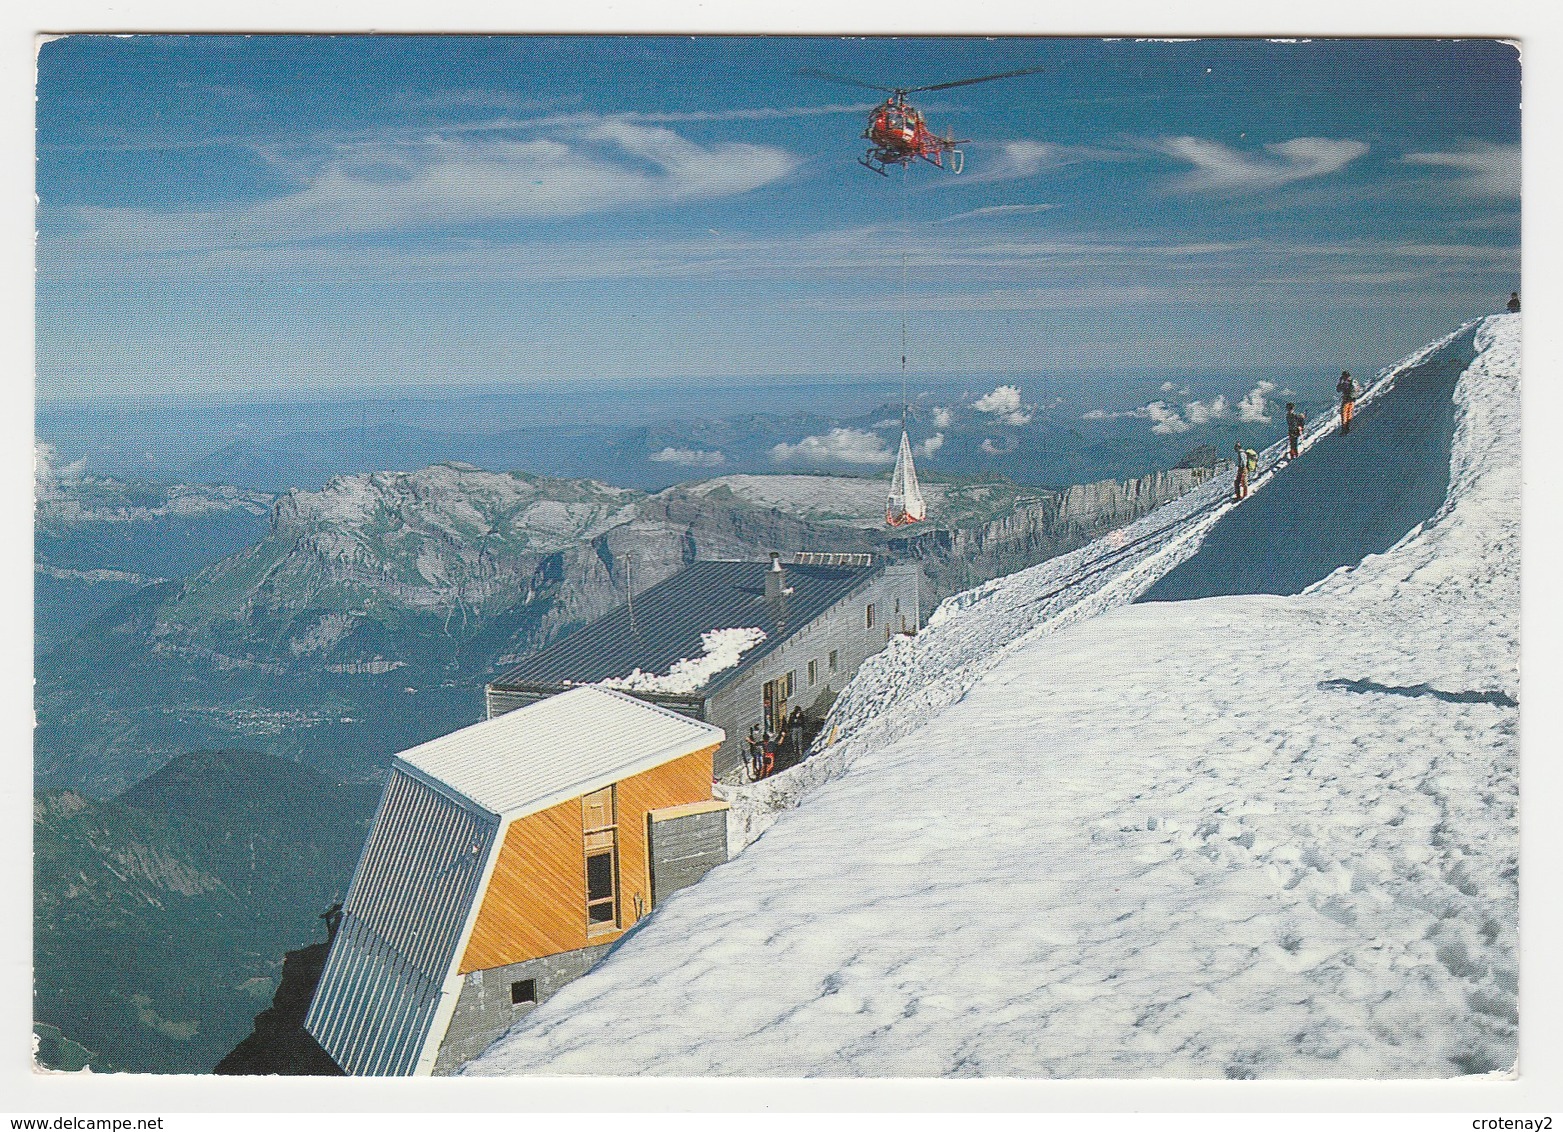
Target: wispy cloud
x,y
998,211
1219,168
607,165
838,446
1025,157
931,445
1485,169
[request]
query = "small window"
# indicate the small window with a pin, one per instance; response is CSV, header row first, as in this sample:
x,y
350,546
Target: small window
x,y
599,818
831,660
868,616
813,673
898,605
523,992
602,912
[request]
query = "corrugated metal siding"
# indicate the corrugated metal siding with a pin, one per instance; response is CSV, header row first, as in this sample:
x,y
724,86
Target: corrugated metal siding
x,y
570,743
403,918
670,616
684,848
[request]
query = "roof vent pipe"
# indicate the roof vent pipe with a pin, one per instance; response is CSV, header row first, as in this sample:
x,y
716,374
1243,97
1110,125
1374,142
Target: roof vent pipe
x,y
776,590
775,579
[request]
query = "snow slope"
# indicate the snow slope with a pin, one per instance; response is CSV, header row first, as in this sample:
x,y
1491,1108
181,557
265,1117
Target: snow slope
x,y
1355,495
1252,836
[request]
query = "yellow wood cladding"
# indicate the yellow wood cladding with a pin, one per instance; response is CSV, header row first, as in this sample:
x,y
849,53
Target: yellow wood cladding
x,y
535,903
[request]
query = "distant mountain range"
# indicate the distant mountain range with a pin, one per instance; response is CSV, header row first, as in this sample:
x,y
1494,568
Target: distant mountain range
x,y
1039,444
98,540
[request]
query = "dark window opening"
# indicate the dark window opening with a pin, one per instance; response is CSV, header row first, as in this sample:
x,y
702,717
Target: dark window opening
x,y
868,616
523,992
601,905
833,660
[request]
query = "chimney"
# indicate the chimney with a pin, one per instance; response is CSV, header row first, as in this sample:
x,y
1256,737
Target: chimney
x,y
775,587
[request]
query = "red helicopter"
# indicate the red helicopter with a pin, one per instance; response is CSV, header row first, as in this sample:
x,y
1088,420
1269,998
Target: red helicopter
x,y
896,132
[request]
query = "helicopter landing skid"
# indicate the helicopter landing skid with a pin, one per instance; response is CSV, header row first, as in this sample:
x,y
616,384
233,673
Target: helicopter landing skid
x,y
871,161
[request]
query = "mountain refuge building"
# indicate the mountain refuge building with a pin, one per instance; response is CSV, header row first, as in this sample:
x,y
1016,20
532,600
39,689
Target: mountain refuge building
x,y
504,861
732,643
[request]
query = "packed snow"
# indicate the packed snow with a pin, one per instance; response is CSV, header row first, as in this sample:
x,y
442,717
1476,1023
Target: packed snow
x,y
1242,837
721,649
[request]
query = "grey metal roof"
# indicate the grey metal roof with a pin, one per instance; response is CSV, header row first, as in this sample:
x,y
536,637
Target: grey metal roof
x,y
401,925
567,745
671,616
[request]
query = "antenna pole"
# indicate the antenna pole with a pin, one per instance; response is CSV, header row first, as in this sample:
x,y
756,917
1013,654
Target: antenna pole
x,y
629,588
906,236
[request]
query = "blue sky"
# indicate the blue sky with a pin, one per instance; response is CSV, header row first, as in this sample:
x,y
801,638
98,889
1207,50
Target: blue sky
x,y
232,214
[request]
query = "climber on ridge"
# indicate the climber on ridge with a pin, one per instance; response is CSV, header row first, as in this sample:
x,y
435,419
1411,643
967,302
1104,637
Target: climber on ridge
x,y
1294,427
1347,388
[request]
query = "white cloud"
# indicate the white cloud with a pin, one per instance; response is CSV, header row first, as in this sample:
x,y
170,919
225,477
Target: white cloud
x,y
1004,403
601,165
1003,399
931,445
942,417
839,445
993,447
1220,168
1179,390
1254,408
49,473
690,457
1166,419
1203,412
1487,170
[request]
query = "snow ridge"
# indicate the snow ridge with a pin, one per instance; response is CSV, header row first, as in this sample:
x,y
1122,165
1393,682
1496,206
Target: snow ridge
x,y
899,689
1241,837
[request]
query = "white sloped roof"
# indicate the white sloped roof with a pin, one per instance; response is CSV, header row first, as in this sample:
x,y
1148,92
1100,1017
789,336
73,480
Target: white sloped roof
x,y
570,744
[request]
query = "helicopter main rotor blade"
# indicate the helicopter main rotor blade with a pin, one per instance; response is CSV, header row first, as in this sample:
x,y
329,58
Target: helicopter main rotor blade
x,y
816,73
968,82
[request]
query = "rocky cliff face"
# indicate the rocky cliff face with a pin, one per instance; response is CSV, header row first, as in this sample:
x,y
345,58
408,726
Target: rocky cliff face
x,y
349,572
452,553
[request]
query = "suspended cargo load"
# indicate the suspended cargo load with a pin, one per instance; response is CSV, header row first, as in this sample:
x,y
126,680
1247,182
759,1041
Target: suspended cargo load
x,y
906,504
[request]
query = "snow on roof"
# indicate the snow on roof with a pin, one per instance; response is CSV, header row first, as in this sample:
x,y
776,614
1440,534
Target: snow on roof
x,y
558,748
672,617
721,649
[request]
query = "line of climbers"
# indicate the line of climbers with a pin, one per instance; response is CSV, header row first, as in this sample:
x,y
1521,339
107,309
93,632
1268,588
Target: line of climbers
x,y
1349,390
